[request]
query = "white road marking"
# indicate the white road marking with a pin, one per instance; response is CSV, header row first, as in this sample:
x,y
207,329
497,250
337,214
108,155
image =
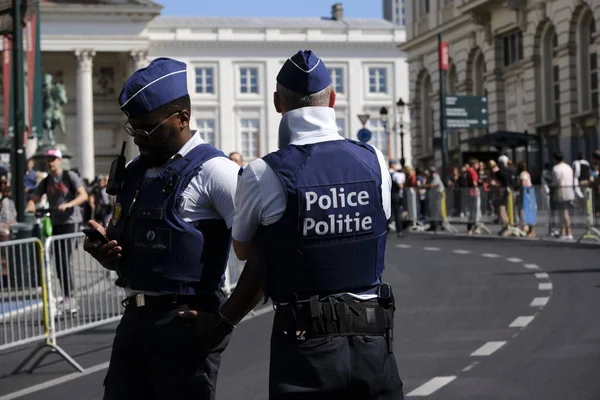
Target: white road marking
x,y
95,368
431,386
521,322
542,275
540,301
490,255
514,260
545,286
54,382
531,266
431,248
403,246
487,349
470,366
458,251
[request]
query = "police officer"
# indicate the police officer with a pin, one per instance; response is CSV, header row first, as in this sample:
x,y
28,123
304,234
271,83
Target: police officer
x,y
314,214
170,235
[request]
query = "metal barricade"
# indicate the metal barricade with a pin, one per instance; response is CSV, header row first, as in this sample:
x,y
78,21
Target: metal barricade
x,y
412,210
81,294
232,274
448,227
23,316
512,228
591,232
467,206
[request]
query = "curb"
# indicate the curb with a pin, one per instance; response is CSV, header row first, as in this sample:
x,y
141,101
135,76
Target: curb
x,y
530,241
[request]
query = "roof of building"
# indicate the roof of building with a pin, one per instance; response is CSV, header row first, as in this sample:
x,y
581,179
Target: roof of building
x,y
270,22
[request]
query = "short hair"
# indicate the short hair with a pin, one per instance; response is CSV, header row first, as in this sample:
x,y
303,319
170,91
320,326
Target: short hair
x,y
233,153
292,100
182,103
559,156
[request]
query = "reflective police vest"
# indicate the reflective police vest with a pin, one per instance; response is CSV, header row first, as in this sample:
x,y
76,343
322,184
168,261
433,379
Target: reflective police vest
x,y
162,252
332,235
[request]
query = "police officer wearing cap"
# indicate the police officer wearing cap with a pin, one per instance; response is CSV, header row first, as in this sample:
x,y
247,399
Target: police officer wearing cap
x,y
314,215
170,235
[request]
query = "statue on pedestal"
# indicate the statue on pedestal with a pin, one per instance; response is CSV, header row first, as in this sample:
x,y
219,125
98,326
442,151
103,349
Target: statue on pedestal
x,y
55,96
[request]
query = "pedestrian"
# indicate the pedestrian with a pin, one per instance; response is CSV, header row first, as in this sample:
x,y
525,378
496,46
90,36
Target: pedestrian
x,y
65,193
397,195
169,242
319,234
236,158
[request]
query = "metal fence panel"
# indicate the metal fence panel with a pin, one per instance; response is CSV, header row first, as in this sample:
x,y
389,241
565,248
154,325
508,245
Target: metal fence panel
x,y
23,317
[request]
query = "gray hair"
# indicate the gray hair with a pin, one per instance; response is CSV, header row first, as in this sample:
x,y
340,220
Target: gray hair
x,y
292,100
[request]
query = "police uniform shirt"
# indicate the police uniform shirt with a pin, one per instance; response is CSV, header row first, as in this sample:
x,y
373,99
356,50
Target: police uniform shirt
x,y
209,195
260,197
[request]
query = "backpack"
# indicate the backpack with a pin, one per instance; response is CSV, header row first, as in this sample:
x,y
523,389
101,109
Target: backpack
x,y
66,177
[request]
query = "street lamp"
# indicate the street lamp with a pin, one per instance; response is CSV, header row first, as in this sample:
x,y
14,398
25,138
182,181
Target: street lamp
x,y
383,117
400,104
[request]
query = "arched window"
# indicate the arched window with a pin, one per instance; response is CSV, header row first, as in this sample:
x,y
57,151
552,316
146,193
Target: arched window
x,y
451,80
588,63
426,114
550,79
478,75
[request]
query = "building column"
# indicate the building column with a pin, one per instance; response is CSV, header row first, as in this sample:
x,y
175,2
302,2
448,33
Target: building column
x,y
85,113
138,60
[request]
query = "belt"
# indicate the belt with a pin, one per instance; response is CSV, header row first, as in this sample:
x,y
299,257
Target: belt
x,y
340,316
142,300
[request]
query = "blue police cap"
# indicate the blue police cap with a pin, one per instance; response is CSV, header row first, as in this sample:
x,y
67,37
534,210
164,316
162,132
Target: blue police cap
x,y
150,88
304,73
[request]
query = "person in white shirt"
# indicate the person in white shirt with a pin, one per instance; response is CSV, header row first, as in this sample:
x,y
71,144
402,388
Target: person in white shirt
x,y
564,193
315,214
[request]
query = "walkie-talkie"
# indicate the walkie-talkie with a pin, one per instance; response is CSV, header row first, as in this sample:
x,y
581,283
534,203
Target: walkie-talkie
x,y
117,174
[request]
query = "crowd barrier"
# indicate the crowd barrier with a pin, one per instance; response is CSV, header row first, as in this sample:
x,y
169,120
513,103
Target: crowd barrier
x,y
54,289
515,211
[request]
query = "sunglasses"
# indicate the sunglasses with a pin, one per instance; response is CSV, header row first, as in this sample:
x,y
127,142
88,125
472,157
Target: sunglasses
x,y
131,131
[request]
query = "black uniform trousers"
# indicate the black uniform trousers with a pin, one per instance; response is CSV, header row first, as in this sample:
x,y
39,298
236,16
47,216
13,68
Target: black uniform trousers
x,y
155,355
333,367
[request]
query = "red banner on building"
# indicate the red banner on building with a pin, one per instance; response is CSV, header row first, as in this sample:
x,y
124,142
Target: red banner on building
x,y
443,56
6,81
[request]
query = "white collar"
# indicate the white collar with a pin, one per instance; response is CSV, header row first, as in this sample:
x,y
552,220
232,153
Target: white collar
x,y
195,140
308,125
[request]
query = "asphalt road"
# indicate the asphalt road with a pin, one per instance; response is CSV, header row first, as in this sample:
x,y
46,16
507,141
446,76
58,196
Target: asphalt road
x,y
476,320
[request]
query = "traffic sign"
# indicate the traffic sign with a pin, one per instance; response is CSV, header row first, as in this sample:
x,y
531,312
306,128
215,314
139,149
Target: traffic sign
x,y
363,118
364,135
466,112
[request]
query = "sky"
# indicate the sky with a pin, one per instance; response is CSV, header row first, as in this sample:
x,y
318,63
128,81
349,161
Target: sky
x,y
270,8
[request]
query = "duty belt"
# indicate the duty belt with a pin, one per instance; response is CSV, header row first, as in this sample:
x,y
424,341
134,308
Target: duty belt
x,y
339,316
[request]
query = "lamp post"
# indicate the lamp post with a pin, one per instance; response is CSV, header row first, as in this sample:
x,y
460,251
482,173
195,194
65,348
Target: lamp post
x,y
383,116
400,104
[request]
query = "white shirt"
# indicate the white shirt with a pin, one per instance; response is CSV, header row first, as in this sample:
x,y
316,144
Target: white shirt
x,y
209,195
399,177
260,196
562,179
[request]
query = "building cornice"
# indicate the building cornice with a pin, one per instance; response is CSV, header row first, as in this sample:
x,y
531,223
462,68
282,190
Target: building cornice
x,y
394,37
100,44
87,12
432,34
193,44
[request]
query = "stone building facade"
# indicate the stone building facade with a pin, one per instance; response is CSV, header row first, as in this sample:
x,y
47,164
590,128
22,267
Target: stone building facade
x,y
537,62
93,46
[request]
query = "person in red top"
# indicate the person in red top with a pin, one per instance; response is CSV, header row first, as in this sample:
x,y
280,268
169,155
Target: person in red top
x,y
472,194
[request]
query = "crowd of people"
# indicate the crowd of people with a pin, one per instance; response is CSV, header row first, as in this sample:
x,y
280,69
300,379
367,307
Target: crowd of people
x,y
483,188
